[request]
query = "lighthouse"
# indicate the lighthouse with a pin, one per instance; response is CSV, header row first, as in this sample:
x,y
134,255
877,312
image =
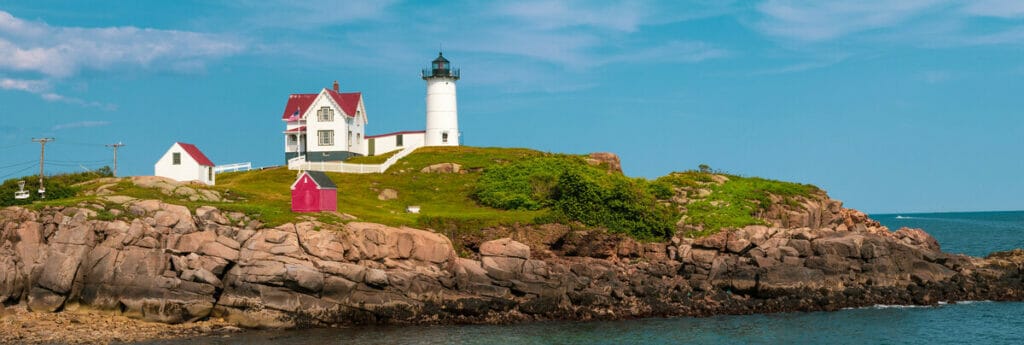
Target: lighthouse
x,y
442,111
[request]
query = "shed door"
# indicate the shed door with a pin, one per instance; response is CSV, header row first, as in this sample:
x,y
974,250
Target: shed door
x,y
372,140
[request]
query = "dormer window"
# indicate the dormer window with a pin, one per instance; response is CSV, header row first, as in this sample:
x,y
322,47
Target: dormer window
x,y
325,114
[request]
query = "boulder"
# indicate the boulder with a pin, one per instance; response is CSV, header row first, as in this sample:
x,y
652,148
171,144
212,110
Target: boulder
x,y
502,268
376,278
190,243
505,247
305,277
323,244
443,168
611,159
387,194
219,250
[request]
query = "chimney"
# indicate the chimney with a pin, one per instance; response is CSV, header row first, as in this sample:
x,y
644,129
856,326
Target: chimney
x,y
335,86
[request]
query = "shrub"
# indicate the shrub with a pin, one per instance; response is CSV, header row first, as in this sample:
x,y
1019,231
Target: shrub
x,y
615,202
58,186
524,184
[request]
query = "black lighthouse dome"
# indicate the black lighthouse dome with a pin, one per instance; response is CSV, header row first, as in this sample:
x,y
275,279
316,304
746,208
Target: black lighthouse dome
x,y
440,68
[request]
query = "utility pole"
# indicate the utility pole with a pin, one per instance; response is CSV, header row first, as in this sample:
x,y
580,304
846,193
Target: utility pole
x,y
115,146
42,155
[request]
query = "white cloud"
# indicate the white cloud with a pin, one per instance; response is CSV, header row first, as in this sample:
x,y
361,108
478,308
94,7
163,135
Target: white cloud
x,y
80,124
995,8
812,21
64,51
43,88
547,14
33,86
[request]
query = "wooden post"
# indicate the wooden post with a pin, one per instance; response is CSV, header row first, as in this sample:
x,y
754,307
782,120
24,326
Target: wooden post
x,y
115,146
42,155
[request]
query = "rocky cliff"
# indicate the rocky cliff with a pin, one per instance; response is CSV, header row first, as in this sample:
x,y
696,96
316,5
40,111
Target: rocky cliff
x,y
162,262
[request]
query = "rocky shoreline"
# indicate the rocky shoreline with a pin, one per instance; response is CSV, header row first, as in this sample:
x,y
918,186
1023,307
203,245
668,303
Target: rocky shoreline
x,y
167,264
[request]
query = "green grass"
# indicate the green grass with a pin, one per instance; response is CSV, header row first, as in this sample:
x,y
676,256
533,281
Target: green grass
x,y
378,159
453,203
444,199
734,203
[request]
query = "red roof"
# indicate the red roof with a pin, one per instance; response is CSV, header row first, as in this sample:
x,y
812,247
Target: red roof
x,y
395,133
298,103
296,129
197,155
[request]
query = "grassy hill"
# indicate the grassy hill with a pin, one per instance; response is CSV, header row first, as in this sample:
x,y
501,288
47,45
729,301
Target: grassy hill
x,y
499,186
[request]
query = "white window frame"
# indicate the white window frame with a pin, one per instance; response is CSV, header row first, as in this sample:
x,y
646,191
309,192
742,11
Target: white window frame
x,y
325,137
325,114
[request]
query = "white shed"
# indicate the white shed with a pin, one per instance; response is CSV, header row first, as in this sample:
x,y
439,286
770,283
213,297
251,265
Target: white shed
x,y
184,162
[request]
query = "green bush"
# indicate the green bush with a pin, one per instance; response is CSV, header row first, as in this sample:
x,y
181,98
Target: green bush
x,y
575,191
612,201
524,184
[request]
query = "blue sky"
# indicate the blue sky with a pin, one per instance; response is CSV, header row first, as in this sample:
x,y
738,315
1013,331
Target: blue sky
x,y
891,106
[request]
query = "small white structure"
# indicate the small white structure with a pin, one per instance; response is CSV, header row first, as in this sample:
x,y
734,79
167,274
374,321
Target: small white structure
x,y
184,162
325,128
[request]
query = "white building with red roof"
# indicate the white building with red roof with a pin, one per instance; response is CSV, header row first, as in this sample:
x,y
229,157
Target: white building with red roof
x,y
330,126
185,162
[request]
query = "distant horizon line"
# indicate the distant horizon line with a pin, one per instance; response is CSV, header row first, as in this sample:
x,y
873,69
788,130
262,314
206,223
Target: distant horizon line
x,y
937,212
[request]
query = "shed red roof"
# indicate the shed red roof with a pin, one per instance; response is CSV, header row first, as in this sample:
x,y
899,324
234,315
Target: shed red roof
x,y
197,155
298,103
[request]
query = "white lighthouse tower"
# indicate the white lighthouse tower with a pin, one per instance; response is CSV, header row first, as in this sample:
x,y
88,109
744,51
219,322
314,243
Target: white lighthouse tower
x,y
442,111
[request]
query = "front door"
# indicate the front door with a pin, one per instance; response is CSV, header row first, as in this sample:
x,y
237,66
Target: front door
x,y
370,152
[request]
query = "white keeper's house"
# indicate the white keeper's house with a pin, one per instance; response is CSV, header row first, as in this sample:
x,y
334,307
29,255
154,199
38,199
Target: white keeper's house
x,y
185,162
330,126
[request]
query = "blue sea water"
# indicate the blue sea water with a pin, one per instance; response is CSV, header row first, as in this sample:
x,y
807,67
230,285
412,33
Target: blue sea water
x,y
975,322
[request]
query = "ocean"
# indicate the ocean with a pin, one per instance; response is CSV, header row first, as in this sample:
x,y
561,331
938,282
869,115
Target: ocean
x,y
971,322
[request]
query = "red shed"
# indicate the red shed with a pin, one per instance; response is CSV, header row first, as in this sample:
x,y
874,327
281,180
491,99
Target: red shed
x,y
313,191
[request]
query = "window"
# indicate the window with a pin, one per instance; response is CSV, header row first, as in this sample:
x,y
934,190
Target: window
x,y
349,138
326,138
359,138
293,138
325,114
398,140
209,174
444,137
176,158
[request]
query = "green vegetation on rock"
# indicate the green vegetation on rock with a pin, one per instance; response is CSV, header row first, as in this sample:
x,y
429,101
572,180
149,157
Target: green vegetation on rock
x,y
717,201
572,190
494,187
60,186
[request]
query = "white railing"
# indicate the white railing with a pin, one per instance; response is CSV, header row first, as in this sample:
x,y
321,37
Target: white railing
x,y
300,163
233,167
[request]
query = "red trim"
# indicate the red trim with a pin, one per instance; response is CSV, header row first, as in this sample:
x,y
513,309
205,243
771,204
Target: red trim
x,y
197,155
296,129
395,133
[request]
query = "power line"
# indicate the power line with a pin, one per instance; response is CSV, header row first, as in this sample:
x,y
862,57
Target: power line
x,y
17,164
15,173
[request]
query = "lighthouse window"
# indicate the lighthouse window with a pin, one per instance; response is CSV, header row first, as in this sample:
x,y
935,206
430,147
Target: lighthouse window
x,y
444,137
